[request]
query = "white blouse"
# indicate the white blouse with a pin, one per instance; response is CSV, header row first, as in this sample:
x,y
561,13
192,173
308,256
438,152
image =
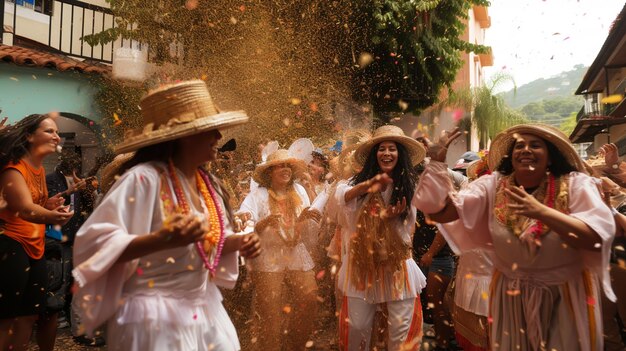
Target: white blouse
x,y
277,256
168,285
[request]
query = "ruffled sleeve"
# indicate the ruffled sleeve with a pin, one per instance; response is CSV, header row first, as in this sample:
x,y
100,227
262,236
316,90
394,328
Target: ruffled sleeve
x,y
104,237
471,231
346,211
585,203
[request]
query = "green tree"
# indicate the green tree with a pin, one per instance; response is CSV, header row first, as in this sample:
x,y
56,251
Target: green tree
x,y
490,114
569,124
387,50
533,109
551,106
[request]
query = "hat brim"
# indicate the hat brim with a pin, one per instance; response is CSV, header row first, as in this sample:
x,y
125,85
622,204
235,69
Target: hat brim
x,y
503,142
220,121
297,167
414,147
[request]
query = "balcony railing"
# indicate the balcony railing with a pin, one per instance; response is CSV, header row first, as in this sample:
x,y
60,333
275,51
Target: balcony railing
x,y
60,26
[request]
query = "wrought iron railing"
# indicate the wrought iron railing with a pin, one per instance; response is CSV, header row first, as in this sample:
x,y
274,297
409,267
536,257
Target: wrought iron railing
x,y
69,22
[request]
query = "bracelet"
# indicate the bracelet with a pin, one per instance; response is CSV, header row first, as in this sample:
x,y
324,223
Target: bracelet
x,y
614,169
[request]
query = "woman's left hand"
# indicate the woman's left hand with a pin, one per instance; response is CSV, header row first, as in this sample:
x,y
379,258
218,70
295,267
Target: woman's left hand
x,y
522,203
394,211
250,245
309,213
54,202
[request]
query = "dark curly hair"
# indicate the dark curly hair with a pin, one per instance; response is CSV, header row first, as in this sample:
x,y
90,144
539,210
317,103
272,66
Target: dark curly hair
x,y
558,163
403,175
14,139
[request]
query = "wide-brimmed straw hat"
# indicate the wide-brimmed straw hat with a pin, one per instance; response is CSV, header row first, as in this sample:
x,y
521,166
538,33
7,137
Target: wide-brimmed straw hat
x,y
280,156
176,111
351,141
503,142
391,133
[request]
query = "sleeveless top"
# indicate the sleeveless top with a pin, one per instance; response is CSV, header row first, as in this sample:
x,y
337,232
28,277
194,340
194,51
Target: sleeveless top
x,y
30,235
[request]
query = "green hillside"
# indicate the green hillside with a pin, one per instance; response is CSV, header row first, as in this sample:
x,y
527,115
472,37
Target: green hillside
x,y
550,100
559,86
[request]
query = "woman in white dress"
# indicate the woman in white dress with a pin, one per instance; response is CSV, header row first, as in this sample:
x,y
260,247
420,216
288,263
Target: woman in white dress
x,y
377,220
150,258
548,230
279,209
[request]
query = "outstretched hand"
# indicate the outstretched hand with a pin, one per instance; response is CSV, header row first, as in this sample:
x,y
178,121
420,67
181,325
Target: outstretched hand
x,y
438,150
379,183
310,213
610,153
393,211
250,245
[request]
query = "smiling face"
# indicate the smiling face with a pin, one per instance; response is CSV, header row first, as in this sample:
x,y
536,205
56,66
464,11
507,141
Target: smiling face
x,y
387,156
204,145
45,139
530,154
280,175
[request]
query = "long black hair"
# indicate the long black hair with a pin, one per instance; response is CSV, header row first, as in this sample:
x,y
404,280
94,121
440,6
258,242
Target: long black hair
x,y
558,163
158,152
14,139
403,175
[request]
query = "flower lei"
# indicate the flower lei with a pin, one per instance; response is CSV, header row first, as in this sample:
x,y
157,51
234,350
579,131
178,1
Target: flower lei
x,y
215,236
552,192
288,207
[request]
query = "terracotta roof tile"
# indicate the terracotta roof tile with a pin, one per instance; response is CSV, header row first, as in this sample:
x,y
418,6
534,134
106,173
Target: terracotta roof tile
x,y
30,57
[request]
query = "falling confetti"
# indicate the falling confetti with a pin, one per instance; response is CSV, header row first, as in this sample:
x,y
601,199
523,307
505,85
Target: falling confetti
x,y
116,120
295,101
139,271
287,309
365,58
151,283
170,260
513,292
15,79
191,4
403,105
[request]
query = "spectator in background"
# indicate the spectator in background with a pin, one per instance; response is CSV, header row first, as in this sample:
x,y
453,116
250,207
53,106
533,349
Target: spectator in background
x,y
464,161
23,148
79,194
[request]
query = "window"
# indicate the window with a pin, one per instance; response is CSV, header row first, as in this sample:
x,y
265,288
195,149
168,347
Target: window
x,y
41,6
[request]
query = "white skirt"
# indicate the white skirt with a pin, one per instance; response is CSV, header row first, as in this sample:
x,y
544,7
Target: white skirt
x,y
170,323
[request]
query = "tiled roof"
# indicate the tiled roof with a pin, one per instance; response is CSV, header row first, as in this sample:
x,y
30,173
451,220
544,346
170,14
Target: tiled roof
x,y
34,58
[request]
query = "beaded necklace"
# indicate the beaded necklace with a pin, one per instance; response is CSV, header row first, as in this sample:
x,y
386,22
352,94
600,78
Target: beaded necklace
x,y
552,192
214,240
288,207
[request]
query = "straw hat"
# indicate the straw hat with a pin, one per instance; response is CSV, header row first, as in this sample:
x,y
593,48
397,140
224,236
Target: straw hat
x,y
345,161
279,156
176,111
111,171
504,140
391,133
474,167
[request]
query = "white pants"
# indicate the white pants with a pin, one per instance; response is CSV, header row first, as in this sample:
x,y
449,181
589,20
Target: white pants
x,y
404,321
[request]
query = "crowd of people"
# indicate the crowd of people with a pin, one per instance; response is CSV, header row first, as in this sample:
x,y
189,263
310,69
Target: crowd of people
x,y
519,247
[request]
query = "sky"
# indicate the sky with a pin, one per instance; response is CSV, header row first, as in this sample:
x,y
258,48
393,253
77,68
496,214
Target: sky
x,y
534,39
